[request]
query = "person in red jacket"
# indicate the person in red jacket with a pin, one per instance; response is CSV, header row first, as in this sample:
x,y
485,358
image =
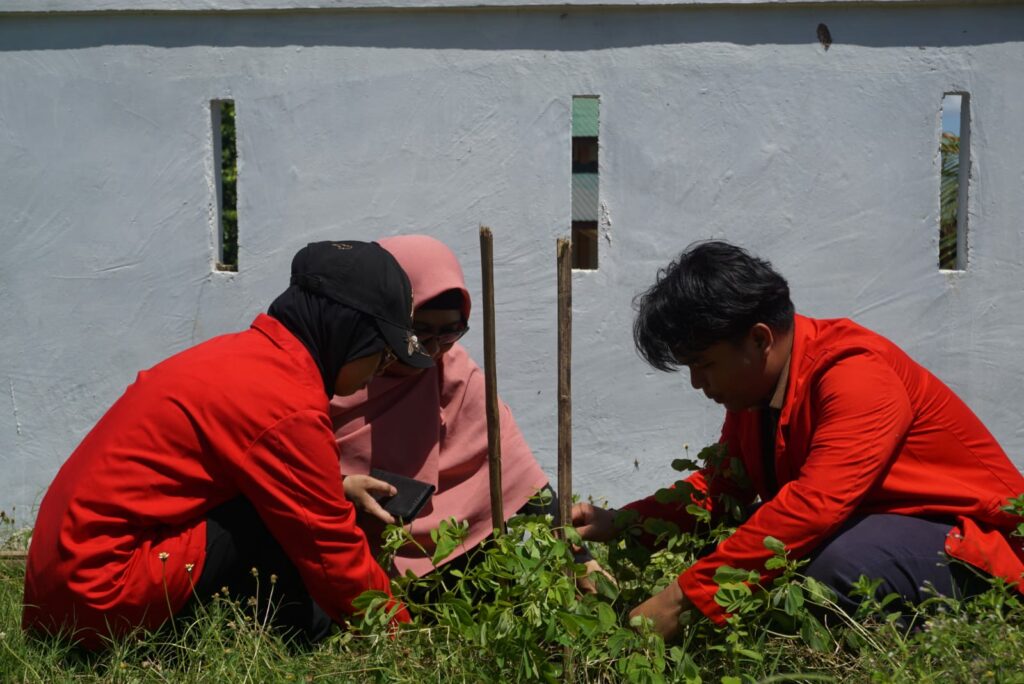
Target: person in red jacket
x,y
862,461
218,467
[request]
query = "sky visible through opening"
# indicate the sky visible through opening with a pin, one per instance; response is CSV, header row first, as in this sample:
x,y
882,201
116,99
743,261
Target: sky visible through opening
x,y
951,114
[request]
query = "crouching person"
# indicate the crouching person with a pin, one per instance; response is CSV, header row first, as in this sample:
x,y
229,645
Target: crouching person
x,y
863,461
221,460
431,424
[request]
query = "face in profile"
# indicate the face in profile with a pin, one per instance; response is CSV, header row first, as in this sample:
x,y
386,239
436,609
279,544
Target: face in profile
x,y
357,373
733,373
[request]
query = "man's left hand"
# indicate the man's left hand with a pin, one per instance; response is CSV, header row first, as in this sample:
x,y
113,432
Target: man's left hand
x,y
664,609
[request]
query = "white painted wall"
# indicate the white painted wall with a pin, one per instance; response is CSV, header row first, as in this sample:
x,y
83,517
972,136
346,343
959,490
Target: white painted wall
x,y
95,6
725,120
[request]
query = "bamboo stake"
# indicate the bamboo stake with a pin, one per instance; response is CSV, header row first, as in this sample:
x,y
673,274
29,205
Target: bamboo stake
x,y
564,259
491,381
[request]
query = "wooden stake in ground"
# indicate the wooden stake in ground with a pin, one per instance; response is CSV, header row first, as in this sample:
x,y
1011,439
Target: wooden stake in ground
x,y
491,380
564,259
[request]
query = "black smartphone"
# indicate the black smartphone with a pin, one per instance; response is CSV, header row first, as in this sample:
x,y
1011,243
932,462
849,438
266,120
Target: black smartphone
x,y
412,495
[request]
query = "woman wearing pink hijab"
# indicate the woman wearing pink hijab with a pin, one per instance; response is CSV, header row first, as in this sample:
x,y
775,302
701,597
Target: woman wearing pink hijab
x,y
431,424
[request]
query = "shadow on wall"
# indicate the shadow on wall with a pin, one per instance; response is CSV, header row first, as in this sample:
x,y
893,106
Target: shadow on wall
x,y
557,29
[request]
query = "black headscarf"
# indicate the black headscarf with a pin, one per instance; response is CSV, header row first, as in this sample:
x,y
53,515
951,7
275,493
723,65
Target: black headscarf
x,y
333,333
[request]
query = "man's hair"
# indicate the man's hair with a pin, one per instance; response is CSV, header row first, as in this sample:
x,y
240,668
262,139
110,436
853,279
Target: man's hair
x,y
713,292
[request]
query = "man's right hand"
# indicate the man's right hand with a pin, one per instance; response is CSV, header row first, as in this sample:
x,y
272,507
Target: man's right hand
x,y
593,523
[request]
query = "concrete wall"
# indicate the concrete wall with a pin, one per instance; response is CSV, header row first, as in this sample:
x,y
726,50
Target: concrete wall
x,y
717,120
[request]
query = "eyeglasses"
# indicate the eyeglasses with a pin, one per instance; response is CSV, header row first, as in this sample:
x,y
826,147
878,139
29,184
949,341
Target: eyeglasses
x,y
387,357
444,336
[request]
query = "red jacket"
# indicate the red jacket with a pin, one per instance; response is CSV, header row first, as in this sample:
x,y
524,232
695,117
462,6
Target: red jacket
x,y
863,429
121,533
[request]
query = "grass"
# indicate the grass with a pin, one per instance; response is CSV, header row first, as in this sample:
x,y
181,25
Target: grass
x,y
515,616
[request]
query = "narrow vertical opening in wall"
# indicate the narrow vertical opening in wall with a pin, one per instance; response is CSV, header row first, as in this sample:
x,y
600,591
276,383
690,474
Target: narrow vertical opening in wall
x,y
225,164
585,199
954,151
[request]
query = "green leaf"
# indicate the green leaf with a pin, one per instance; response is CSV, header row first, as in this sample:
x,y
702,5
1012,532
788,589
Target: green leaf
x,y
624,517
691,674
617,641
605,587
668,495
794,599
774,545
657,526
819,593
748,653
605,616
444,548
889,598
570,622
638,621
1015,506
369,598
713,454
734,598
701,514
685,465
814,634
725,574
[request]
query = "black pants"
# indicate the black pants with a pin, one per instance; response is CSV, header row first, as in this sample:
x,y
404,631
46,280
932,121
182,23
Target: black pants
x,y
237,542
907,553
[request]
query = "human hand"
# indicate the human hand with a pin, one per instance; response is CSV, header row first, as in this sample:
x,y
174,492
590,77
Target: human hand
x,y
586,584
360,490
593,523
664,609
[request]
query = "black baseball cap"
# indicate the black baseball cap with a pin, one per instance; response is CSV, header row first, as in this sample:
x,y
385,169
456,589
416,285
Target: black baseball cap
x,y
365,277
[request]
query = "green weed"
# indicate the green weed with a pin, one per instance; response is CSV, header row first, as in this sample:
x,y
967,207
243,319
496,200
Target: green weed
x,y
514,614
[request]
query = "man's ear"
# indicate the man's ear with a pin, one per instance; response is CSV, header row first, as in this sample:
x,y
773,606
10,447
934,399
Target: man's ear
x,y
762,337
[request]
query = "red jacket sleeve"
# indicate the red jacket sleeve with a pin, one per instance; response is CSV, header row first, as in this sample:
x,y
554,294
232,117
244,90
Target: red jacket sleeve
x,y
863,413
291,476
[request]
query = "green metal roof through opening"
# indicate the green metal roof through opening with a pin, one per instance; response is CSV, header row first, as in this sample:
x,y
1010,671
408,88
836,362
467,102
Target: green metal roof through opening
x,y
584,117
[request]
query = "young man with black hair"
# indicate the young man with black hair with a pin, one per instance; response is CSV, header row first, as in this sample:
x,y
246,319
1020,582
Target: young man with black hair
x,y
864,462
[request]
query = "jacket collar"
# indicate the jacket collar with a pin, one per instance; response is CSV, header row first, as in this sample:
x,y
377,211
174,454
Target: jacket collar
x,y
782,398
283,338
779,395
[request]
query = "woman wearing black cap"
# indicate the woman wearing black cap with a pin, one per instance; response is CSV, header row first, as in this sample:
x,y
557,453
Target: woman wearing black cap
x,y
222,459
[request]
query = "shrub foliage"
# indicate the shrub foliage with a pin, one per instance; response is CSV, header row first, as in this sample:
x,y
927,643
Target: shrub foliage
x,y
515,615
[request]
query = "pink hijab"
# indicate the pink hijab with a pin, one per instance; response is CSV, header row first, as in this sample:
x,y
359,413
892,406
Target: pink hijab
x,y
433,426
